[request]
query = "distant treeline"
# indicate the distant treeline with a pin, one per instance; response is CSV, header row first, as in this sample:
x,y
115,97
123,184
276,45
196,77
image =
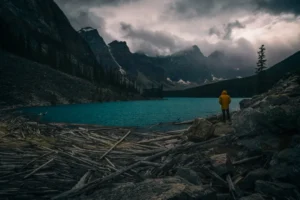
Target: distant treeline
x,y
244,87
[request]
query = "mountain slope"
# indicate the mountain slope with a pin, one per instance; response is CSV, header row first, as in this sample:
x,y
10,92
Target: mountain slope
x,y
39,30
100,49
137,66
244,87
27,83
224,66
189,65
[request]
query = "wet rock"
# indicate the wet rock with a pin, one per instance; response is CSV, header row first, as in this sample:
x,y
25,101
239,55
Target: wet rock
x,y
189,175
278,190
285,166
249,181
253,197
247,120
200,130
221,164
221,129
245,103
276,100
173,188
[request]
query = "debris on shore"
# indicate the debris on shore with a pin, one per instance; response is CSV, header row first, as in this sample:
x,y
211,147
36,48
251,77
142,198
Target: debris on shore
x,y
257,157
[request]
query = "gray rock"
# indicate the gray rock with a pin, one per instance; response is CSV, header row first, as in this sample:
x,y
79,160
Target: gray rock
x,y
253,197
247,120
278,190
221,129
173,188
276,100
285,166
249,181
200,130
189,175
245,103
221,164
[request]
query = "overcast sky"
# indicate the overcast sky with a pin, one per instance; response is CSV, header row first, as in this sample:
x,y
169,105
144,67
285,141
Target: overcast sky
x,y
237,27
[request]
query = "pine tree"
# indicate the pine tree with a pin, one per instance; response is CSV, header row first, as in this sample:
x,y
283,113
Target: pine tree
x,y
260,71
261,64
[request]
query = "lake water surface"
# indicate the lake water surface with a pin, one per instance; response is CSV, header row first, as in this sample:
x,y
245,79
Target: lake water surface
x,y
132,113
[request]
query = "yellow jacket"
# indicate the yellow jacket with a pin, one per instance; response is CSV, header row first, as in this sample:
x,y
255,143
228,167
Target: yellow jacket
x,y
224,100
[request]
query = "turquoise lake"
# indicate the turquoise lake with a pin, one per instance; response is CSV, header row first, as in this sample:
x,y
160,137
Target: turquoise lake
x,y
132,113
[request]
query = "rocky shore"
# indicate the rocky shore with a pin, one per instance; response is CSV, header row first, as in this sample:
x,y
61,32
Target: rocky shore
x,y
255,158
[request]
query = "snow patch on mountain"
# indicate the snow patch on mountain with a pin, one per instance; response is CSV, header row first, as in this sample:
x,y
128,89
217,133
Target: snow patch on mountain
x,y
86,29
216,79
168,79
122,71
184,82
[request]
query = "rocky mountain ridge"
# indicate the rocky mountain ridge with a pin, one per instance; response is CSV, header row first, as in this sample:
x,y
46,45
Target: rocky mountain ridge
x,y
186,66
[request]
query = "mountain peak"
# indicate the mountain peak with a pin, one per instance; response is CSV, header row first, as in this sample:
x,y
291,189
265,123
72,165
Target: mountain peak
x,y
196,48
193,50
120,46
217,54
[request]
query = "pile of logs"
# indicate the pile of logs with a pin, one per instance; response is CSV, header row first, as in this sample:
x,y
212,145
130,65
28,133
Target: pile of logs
x,y
62,160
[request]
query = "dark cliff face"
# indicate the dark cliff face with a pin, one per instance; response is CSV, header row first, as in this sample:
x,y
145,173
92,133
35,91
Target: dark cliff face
x,y
99,48
226,67
189,65
39,30
136,64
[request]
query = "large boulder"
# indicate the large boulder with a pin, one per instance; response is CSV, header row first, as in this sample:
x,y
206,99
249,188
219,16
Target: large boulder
x,y
245,103
276,111
277,100
285,166
271,119
200,130
221,129
247,120
172,188
221,164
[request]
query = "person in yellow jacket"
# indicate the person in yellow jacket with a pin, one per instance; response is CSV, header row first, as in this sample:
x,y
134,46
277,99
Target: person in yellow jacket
x,y
224,101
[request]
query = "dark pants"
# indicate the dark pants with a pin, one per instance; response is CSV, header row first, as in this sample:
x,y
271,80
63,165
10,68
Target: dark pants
x,y
228,115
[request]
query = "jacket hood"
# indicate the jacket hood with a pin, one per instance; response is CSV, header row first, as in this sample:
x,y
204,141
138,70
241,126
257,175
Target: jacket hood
x,y
224,92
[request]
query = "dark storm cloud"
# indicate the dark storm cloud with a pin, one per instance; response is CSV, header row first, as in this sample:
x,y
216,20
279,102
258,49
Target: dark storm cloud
x,y
214,31
88,19
230,27
227,32
195,8
79,15
92,3
151,41
279,6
